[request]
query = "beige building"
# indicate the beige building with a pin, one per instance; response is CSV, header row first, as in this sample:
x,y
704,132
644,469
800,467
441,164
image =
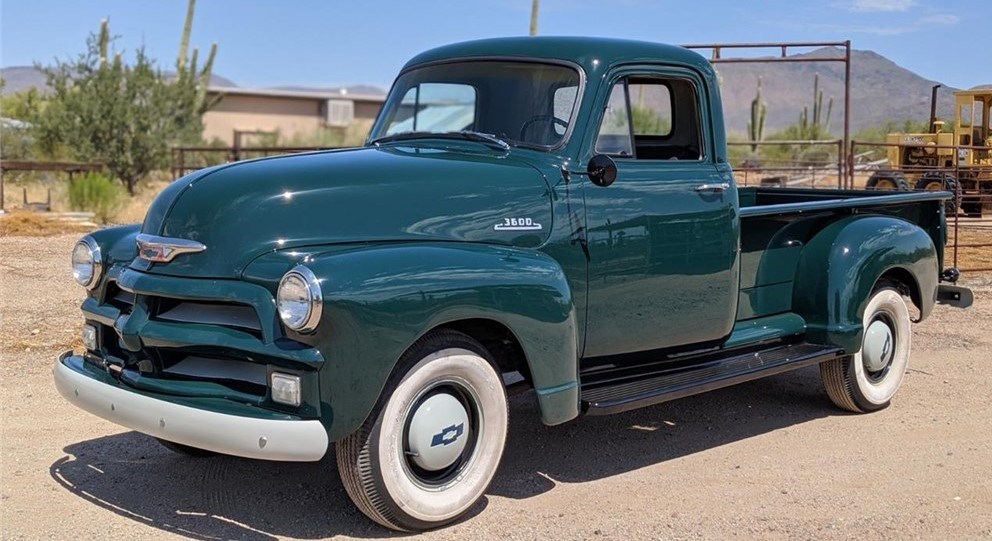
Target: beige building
x,y
292,113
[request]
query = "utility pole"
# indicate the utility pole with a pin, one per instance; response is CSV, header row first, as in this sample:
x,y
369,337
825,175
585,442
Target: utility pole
x,y
534,8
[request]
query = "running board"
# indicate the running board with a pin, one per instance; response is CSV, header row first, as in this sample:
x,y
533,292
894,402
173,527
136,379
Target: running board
x,y
610,396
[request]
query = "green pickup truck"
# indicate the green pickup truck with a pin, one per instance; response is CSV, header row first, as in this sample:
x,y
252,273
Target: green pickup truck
x,y
554,214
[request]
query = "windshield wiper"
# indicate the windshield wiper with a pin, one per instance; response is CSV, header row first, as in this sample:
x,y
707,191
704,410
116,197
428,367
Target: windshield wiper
x,y
485,138
402,137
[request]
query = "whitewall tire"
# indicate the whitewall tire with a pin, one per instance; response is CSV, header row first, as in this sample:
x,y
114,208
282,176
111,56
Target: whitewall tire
x,y
431,447
867,380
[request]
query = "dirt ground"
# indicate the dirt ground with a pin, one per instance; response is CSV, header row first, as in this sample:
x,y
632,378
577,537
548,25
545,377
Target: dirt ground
x,y
771,459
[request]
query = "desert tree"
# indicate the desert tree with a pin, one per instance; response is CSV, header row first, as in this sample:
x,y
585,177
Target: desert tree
x,y
125,114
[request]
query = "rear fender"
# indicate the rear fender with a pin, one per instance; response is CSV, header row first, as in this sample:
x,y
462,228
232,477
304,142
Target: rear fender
x,y
379,300
840,266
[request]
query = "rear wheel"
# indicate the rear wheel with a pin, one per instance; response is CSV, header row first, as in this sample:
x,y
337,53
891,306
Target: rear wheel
x,y
934,181
867,380
888,180
430,448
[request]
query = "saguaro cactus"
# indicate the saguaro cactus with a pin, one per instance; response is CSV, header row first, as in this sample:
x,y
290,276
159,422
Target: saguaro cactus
x,y
186,70
756,126
819,126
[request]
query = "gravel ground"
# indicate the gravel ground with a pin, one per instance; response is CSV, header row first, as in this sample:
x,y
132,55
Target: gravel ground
x,y
771,459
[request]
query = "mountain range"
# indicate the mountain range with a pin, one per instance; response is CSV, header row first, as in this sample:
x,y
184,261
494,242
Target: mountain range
x,y
881,90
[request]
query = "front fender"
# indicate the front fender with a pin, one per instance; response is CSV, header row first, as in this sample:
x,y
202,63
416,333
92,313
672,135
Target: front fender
x,y
118,248
378,300
840,266
117,243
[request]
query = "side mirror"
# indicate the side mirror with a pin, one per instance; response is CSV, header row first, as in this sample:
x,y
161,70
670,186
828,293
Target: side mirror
x,y
602,170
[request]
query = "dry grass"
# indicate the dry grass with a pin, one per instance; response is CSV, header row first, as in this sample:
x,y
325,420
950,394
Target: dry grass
x,y
971,257
135,208
41,341
38,187
35,188
36,224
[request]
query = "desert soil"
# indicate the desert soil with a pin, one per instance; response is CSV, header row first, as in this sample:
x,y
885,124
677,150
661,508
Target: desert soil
x,y
771,459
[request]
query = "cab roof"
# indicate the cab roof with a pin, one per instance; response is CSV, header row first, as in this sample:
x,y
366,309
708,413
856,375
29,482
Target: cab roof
x,y
592,54
978,91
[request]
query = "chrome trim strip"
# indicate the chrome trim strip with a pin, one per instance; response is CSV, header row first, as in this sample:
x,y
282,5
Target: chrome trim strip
x,y
164,249
265,439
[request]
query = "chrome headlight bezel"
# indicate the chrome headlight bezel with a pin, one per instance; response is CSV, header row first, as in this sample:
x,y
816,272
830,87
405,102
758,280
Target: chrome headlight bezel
x,y
301,276
95,262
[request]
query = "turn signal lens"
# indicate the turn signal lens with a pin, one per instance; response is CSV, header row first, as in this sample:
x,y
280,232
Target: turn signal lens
x,y
285,388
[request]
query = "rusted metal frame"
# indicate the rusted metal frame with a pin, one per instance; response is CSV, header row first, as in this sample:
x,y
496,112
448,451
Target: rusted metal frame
x,y
839,143
33,165
956,169
935,147
845,160
957,206
180,166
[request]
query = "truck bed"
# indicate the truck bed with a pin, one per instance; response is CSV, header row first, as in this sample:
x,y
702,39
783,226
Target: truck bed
x,y
778,201
777,223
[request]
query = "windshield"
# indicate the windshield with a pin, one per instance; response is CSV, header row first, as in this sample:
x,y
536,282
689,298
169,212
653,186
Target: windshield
x,y
526,103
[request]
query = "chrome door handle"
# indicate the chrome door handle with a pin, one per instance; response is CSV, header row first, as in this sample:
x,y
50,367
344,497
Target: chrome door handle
x,y
723,186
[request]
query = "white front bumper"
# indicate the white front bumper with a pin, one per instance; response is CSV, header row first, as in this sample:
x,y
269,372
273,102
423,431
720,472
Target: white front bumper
x,y
266,439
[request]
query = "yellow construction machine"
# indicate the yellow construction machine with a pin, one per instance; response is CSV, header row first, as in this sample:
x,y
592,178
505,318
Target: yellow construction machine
x,y
959,159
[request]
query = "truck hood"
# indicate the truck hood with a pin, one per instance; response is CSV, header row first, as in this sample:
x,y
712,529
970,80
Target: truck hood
x,y
396,193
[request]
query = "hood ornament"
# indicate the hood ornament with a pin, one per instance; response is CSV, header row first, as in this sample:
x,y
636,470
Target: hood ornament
x,y
165,249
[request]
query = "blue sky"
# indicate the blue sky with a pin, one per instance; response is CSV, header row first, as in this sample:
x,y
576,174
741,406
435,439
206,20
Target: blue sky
x,y
329,43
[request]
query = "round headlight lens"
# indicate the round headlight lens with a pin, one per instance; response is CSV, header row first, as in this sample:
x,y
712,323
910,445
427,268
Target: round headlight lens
x,y
86,263
299,300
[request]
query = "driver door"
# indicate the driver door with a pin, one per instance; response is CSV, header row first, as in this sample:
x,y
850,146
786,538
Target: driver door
x,y
663,238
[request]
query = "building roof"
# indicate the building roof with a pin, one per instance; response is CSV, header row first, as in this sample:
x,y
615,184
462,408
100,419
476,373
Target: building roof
x,y
296,94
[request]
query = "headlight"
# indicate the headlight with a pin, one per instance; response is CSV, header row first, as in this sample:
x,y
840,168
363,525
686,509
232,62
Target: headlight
x,y
299,300
87,265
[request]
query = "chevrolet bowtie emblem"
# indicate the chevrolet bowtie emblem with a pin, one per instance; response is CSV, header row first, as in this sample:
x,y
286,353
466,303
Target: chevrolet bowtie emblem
x,y
448,435
165,249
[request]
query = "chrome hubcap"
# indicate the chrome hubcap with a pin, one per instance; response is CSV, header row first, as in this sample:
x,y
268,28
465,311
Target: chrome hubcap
x,y
438,432
878,347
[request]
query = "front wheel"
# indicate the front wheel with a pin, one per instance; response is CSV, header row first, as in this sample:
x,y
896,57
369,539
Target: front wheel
x,y
867,380
429,450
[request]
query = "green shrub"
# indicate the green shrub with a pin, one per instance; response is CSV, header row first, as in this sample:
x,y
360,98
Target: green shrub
x,y
98,194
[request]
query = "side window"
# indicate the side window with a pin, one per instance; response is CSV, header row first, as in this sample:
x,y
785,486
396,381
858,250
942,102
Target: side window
x,y
564,99
614,133
660,120
436,107
650,108
965,113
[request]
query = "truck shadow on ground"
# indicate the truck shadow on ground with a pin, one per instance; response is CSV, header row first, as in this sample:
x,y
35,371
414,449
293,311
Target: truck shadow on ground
x,y
231,498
